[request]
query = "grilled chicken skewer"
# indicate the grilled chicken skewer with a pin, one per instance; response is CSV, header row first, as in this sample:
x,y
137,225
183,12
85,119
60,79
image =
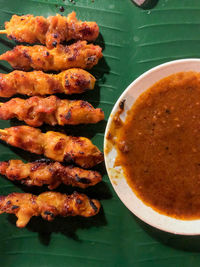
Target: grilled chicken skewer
x,y
45,172
49,31
38,57
54,145
72,81
48,205
50,110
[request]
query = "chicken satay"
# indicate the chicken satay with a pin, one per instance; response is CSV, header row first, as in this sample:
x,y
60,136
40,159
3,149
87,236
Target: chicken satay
x,y
44,172
53,145
50,110
72,81
38,57
49,31
48,205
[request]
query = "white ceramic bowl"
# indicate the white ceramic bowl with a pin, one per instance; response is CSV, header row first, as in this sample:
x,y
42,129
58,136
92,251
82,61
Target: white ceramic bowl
x,y
125,193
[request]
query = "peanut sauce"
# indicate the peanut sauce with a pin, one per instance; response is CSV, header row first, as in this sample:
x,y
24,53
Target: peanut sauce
x,y
159,146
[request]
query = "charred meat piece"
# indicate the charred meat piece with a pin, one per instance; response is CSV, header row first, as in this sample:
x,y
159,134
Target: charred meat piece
x,y
54,145
48,205
72,81
41,173
49,31
77,55
50,110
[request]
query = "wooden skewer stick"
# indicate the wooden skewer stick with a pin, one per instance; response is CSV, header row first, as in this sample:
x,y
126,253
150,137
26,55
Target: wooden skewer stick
x,y
3,32
3,132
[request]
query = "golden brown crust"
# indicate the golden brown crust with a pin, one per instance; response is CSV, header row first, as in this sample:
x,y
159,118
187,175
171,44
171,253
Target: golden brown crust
x,y
50,31
43,172
54,145
48,205
50,110
72,81
27,28
77,55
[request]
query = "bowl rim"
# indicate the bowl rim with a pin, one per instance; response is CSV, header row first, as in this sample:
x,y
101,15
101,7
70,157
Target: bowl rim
x,y
160,67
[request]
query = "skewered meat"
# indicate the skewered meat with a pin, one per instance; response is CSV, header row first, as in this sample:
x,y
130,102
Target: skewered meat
x,y
48,205
54,145
77,55
50,31
50,110
43,172
72,81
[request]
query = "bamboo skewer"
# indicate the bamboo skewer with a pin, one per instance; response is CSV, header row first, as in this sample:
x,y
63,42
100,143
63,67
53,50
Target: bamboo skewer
x,y
3,132
3,32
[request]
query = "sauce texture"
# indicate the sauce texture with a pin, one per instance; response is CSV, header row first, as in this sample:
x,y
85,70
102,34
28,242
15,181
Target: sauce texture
x,y
159,146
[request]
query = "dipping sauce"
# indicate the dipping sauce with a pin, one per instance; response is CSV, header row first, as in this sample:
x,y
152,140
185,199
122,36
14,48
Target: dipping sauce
x,y
159,146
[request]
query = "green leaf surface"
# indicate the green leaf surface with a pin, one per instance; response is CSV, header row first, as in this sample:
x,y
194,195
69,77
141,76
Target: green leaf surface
x,y
134,40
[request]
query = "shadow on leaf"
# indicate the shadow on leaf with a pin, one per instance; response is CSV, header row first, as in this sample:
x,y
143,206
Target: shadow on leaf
x,y
4,68
99,191
179,242
7,43
67,226
89,130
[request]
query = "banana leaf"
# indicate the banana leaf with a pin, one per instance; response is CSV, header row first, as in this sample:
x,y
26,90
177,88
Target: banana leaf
x,y
133,40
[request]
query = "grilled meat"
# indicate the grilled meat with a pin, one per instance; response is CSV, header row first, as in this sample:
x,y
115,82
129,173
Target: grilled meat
x,y
50,110
43,172
48,205
54,145
77,55
49,31
72,81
